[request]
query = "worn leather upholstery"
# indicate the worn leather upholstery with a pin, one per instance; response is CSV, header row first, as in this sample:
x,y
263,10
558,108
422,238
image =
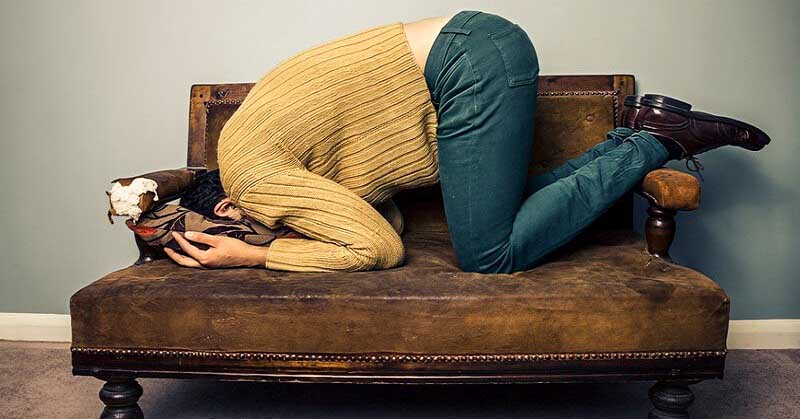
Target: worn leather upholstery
x,y
603,293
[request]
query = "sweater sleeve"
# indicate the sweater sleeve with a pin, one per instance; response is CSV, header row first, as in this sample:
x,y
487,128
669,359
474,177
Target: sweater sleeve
x,y
346,232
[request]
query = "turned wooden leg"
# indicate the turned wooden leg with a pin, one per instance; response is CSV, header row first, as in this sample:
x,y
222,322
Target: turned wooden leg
x,y
120,396
147,253
659,231
671,400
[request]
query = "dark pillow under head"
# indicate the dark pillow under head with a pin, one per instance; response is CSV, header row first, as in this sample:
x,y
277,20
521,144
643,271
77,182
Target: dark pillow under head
x,y
156,225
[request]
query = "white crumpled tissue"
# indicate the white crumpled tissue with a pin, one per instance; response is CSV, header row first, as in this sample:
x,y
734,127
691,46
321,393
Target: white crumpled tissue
x,y
125,199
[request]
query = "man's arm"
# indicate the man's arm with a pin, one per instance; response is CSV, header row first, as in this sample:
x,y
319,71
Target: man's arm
x,y
345,233
223,252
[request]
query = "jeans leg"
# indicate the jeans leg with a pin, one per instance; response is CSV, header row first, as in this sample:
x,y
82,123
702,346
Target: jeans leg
x,y
558,212
483,81
613,139
486,117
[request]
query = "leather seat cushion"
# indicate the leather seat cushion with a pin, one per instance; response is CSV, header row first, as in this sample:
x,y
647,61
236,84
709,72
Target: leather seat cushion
x,y
601,293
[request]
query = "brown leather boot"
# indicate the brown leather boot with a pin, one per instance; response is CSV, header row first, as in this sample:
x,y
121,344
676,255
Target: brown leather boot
x,y
693,131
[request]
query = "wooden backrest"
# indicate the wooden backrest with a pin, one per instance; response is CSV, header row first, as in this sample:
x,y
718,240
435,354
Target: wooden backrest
x,y
574,113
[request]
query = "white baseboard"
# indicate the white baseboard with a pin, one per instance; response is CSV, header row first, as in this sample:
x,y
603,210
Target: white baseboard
x,y
764,334
742,334
35,327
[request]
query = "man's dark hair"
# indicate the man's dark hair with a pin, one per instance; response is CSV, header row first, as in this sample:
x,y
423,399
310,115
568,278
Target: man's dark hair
x,y
204,193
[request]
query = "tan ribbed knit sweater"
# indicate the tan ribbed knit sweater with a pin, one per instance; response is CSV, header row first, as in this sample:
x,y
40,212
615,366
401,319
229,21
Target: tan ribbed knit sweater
x,y
322,137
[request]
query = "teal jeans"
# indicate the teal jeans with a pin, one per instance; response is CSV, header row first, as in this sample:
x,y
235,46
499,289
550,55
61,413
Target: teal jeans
x,y
482,72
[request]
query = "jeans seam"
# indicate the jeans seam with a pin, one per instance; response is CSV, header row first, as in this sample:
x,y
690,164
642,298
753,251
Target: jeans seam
x,y
475,78
474,87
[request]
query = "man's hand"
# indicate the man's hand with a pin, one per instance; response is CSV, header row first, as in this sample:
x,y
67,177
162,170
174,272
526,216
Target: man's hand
x,y
224,252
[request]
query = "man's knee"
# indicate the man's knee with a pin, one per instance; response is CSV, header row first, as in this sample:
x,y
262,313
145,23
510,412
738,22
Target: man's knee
x,y
495,265
502,261
487,269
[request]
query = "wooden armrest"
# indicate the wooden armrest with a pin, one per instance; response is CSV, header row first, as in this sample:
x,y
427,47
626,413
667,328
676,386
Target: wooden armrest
x,y
668,191
170,184
671,189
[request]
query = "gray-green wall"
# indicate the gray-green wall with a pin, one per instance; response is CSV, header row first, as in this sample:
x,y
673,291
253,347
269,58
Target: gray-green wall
x,y
94,90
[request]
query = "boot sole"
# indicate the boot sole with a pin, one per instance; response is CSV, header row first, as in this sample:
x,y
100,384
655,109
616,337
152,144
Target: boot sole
x,y
682,108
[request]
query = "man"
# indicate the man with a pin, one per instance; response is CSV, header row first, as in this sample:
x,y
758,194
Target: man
x,y
206,196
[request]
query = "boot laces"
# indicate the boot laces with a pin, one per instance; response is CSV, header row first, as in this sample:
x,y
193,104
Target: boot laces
x,y
692,162
693,165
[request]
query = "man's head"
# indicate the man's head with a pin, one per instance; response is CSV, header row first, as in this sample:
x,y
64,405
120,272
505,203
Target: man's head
x,y
206,196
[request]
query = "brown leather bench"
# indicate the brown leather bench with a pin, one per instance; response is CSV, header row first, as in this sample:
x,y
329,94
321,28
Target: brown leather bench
x,y
609,306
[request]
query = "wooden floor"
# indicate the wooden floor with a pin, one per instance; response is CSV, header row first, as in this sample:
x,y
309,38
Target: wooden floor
x,y
35,382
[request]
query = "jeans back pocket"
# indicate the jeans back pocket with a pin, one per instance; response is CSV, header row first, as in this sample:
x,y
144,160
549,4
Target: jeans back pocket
x,y
518,54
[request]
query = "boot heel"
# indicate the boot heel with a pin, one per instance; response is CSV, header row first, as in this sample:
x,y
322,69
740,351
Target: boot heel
x,y
667,103
633,100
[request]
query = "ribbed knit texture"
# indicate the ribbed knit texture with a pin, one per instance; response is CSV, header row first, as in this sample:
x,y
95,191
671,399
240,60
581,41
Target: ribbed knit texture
x,y
324,136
